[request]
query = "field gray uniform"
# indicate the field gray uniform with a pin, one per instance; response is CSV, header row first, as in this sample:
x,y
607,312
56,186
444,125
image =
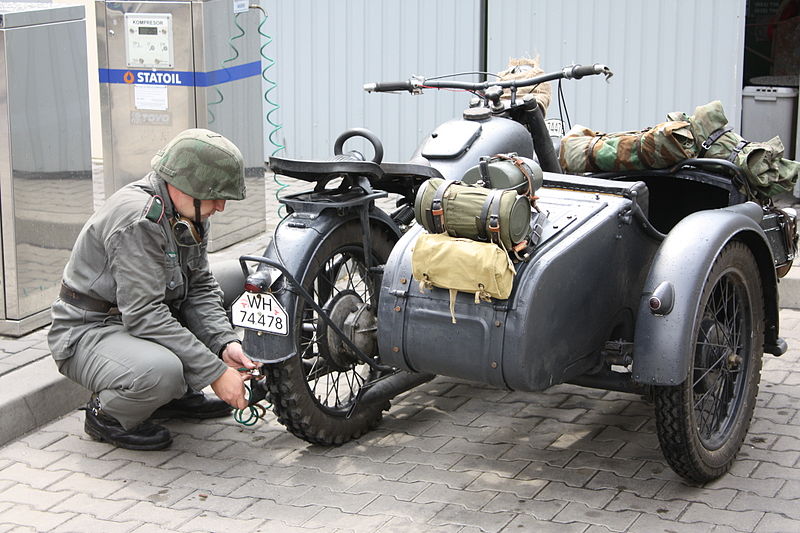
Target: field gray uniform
x,y
171,324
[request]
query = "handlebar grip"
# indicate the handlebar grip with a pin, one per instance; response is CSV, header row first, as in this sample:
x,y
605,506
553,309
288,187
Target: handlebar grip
x,y
579,71
388,86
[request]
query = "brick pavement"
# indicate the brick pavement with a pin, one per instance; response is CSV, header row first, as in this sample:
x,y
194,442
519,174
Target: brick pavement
x,y
449,456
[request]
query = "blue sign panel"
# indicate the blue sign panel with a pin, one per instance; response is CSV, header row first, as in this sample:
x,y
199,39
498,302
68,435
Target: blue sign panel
x,y
180,78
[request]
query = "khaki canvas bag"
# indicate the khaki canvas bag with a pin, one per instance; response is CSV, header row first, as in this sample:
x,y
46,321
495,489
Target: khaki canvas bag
x,y
482,269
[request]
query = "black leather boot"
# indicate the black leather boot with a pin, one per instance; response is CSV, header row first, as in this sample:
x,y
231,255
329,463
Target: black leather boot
x,y
146,436
193,404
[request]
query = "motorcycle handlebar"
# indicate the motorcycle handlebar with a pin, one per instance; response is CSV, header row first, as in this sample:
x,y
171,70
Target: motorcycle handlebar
x,y
417,84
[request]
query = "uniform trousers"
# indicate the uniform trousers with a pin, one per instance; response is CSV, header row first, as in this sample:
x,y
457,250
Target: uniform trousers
x,y
132,377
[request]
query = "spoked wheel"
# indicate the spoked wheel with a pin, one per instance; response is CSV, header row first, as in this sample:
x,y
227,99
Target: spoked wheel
x,y
314,394
702,422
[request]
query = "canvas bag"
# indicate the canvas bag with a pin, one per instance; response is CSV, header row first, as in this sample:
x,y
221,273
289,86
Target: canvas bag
x,y
462,265
491,215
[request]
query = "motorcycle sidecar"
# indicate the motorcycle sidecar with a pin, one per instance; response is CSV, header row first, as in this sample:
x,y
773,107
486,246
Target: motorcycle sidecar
x,y
682,309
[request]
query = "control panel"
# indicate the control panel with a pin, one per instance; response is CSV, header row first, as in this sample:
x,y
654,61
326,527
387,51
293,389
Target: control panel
x,y
148,40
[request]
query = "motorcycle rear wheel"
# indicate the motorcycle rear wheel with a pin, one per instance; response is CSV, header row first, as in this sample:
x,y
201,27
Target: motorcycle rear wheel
x,y
313,394
702,422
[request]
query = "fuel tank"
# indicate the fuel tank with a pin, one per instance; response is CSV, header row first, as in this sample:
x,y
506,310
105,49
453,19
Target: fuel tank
x,y
457,145
580,288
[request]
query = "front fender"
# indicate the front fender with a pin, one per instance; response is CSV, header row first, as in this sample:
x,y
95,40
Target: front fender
x,y
663,344
294,245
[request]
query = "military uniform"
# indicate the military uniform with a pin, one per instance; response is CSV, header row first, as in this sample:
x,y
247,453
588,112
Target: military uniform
x,y
165,324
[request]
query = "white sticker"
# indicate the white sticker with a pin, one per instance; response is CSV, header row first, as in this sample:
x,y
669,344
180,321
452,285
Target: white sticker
x,y
240,6
151,97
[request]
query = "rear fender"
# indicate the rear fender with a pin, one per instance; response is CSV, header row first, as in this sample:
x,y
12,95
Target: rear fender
x,y
663,343
294,245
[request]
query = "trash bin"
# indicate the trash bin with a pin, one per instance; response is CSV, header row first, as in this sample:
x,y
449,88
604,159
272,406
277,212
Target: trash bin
x,y
45,161
770,111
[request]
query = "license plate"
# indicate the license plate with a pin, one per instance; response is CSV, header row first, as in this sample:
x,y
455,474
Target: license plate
x,y
261,312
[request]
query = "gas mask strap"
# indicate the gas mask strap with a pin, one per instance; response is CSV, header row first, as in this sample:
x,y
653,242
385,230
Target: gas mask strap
x,y
197,221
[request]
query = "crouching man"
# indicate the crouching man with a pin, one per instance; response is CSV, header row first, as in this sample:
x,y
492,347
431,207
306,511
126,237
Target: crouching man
x,y
140,320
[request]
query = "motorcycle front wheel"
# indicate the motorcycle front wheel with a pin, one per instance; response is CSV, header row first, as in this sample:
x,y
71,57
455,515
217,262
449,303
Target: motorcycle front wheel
x,y
702,422
314,393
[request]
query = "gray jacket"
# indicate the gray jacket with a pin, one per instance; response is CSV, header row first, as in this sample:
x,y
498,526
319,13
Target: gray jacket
x,y
127,254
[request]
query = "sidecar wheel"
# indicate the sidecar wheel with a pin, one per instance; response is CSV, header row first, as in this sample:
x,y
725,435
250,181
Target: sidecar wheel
x,y
702,422
313,393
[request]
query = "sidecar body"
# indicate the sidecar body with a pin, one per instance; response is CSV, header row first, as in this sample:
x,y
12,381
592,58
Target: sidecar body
x,y
584,302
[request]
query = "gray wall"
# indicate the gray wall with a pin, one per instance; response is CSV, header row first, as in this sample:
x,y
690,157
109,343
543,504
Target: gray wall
x,y
668,55
326,50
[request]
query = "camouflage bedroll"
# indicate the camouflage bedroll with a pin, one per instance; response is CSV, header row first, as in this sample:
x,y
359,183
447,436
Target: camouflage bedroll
x,y
704,134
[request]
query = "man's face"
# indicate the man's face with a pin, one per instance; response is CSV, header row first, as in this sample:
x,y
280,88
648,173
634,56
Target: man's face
x,y
184,205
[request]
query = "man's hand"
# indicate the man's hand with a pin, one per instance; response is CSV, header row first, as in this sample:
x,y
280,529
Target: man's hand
x,y
234,356
229,387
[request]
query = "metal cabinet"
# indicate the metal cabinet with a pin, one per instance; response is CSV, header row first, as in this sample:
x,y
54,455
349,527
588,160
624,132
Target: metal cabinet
x,y
45,162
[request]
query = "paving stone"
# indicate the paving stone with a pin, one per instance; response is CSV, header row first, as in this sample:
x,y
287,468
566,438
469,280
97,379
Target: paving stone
x,y
344,501
149,458
156,514
644,488
570,476
591,497
26,475
525,523
472,463
790,490
398,489
425,444
750,502
454,480
189,461
772,523
766,470
32,457
579,512
295,515
742,520
456,514
147,474
761,487
473,500
198,447
283,494
96,487
404,525
388,505
469,433
357,450
25,516
101,508
88,523
783,458
140,491
519,487
620,467
647,523
213,522
585,443
716,498
312,477
511,503
625,501
283,527
273,473
496,420
441,461
356,523
213,484
75,462
221,505
527,453
551,413
81,444
39,499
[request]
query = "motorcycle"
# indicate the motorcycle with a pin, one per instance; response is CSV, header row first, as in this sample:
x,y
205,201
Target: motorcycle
x,y
660,282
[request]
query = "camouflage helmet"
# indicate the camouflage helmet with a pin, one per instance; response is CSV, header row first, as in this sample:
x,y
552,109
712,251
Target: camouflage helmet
x,y
203,164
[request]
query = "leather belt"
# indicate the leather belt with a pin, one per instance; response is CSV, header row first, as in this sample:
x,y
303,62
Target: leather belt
x,y
87,303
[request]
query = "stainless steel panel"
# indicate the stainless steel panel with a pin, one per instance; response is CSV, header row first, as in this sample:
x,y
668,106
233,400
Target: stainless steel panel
x,y
45,176
208,40
18,14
